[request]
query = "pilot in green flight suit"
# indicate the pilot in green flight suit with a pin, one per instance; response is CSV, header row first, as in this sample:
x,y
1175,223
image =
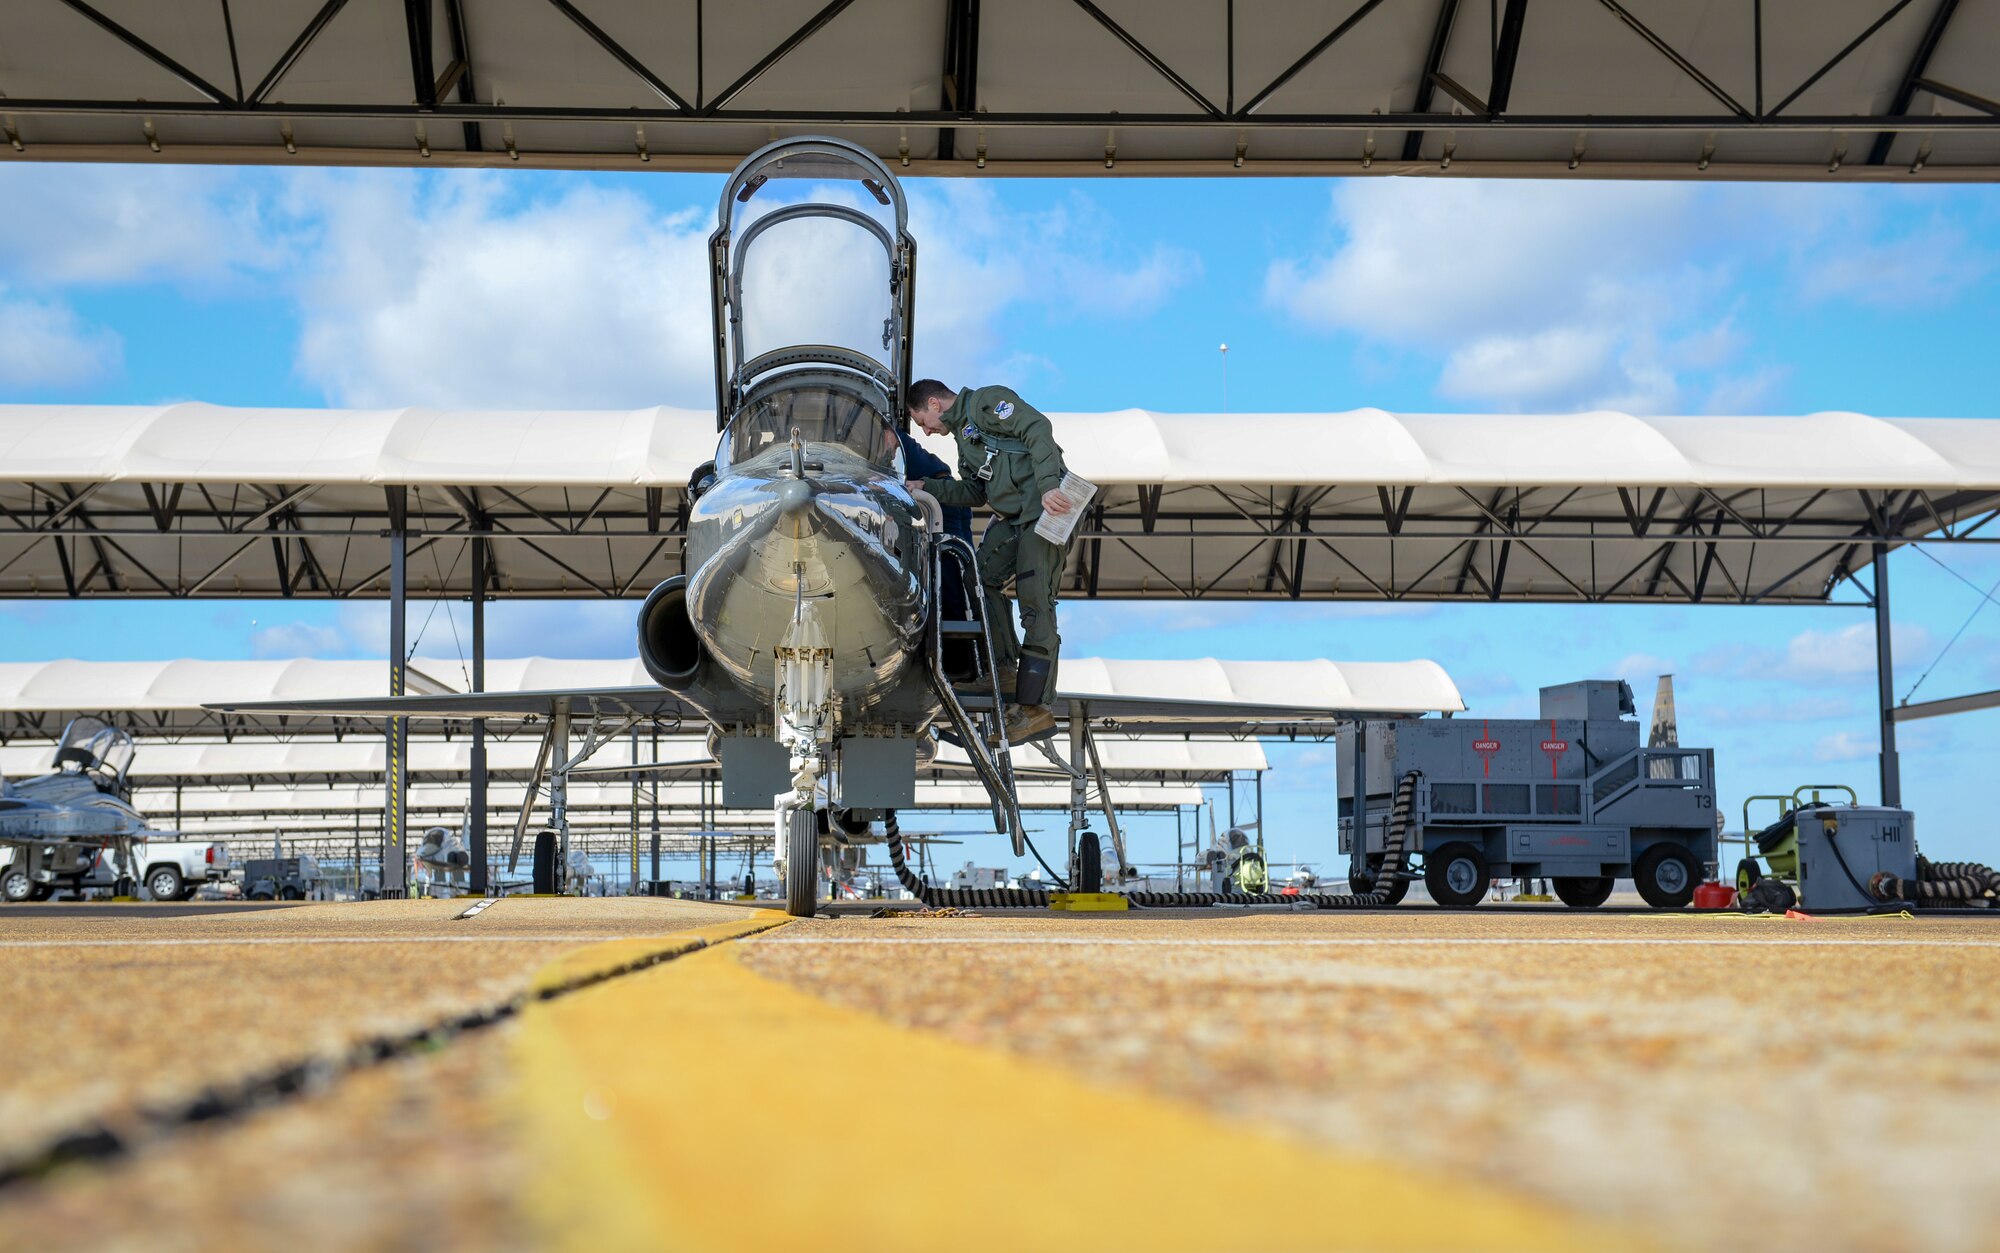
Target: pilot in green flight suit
x,y
1008,460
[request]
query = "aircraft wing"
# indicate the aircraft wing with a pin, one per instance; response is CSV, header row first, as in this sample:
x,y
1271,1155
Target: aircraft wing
x,y
645,701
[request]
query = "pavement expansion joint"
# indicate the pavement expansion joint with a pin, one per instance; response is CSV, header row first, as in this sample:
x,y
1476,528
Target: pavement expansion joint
x,y
104,1140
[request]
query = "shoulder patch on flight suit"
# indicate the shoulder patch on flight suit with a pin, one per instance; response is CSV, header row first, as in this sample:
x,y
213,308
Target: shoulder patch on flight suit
x,y
1005,409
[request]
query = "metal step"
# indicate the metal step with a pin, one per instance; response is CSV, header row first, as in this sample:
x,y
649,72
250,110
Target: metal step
x,y
972,629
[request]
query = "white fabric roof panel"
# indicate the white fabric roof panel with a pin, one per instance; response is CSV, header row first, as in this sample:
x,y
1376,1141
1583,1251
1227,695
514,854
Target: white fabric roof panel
x,y
662,446
158,804
157,691
367,756
1035,86
1361,505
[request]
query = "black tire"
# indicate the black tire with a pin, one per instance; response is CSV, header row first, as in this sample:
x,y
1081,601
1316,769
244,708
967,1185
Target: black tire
x,y
165,883
42,892
1748,872
1578,893
15,886
291,894
802,863
261,896
1666,875
1456,875
1089,864
545,863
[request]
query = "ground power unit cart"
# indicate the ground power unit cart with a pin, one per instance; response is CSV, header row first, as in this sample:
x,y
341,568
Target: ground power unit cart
x,y
1571,796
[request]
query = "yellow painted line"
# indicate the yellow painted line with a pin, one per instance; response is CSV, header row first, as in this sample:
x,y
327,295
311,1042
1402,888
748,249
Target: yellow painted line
x,y
617,956
701,1106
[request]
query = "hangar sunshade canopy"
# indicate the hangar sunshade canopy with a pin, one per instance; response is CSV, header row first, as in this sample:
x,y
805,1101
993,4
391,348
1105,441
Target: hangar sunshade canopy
x,y
195,500
1812,89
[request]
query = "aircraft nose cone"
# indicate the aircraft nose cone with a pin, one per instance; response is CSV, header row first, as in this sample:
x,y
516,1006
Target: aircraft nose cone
x,y
795,496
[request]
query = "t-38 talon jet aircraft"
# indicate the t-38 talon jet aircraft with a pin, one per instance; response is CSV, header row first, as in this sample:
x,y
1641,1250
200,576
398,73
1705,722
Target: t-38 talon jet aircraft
x,y
805,631
56,823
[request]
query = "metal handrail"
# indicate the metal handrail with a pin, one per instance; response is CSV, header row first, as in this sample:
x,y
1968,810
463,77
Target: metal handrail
x,y
994,768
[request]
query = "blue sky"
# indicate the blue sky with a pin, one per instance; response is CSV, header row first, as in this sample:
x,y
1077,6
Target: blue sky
x,y
516,288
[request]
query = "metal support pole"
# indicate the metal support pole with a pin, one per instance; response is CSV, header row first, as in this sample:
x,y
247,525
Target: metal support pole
x,y
655,792
1258,777
476,820
559,789
1885,683
1180,841
1079,788
635,812
1357,857
395,805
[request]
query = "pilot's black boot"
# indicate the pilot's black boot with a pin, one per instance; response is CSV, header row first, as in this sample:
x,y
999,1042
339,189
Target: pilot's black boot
x,y
1031,686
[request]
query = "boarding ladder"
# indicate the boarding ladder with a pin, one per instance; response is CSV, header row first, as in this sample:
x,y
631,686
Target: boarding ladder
x,y
974,718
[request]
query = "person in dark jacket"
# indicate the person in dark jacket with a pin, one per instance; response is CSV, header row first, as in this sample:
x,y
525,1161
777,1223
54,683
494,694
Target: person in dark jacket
x,y
1008,460
920,462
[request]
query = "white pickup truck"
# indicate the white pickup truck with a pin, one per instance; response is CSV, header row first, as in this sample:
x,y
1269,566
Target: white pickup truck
x,y
169,868
173,870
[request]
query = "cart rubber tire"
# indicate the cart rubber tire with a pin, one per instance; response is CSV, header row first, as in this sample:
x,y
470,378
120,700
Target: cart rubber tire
x,y
1456,875
1666,875
545,862
291,894
1089,863
1582,893
165,883
1747,874
16,886
802,863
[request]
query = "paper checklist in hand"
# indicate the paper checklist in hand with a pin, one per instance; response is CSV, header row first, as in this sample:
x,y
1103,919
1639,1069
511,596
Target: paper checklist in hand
x,y
1078,491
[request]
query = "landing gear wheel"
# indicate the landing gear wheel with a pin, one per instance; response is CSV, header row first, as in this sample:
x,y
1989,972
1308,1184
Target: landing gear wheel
x,y
1089,864
165,884
16,886
1666,876
1456,875
1583,893
802,863
545,863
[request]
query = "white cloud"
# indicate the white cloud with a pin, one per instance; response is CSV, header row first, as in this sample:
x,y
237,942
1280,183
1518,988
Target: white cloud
x,y
126,224
1811,655
1888,247
1814,656
1531,295
459,292
447,292
44,344
299,639
1534,294
443,629
1844,746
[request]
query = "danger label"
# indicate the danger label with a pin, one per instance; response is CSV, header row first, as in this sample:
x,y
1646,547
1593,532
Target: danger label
x,y
1486,746
1555,748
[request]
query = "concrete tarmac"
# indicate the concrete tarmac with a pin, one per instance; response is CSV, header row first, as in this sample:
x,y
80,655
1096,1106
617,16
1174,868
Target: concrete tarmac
x,y
1642,1079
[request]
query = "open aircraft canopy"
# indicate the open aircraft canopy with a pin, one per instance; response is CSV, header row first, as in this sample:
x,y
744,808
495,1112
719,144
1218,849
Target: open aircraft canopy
x,y
1826,90
197,500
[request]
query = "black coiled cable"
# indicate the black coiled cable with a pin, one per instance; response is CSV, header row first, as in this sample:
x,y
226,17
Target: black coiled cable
x,y
1394,859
